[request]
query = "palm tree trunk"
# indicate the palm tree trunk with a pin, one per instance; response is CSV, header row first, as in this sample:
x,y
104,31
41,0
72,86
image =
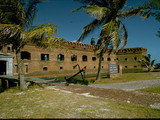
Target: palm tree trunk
x,y
99,66
20,71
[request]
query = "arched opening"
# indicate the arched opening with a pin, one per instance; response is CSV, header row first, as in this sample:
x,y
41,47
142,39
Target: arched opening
x,y
3,68
73,58
108,59
84,58
25,55
60,57
45,57
93,58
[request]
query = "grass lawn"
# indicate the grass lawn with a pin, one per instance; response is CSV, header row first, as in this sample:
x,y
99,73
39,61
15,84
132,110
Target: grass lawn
x,y
151,90
127,77
43,103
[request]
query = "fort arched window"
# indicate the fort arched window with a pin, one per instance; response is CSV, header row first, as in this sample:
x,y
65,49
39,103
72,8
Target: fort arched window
x,y
117,59
102,58
8,49
45,68
25,55
73,58
84,58
60,57
93,58
1,48
126,59
45,57
108,59
135,58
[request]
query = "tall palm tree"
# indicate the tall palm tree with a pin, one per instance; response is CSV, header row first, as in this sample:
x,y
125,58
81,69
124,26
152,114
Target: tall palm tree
x,y
17,18
108,14
156,12
146,61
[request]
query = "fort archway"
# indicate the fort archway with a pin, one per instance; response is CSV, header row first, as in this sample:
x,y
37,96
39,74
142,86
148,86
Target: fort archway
x,y
3,67
6,64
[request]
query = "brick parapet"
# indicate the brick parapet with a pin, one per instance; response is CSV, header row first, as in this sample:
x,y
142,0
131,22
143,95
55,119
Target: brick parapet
x,y
139,50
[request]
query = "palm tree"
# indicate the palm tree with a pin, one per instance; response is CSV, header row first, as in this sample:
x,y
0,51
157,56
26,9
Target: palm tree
x,y
145,61
108,14
19,16
156,12
157,66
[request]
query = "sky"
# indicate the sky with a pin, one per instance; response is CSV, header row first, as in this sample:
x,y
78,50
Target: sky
x,y
141,33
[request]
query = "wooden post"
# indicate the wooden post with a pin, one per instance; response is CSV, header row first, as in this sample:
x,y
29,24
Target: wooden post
x,y
0,82
7,84
16,84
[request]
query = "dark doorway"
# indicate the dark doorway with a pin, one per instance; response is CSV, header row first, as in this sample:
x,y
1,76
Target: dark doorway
x,y
2,67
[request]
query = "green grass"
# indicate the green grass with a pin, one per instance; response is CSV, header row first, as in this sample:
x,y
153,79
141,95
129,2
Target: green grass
x,y
125,77
44,103
151,90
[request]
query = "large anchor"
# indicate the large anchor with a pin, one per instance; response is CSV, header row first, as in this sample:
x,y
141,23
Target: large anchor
x,y
81,71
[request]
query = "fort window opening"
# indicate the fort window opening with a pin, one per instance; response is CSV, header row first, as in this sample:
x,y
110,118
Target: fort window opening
x,y
84,58
102,66
25,55
12,49
126,59
45,68
60,57
135,58
45,57
1,48
16,68
135,66
126,66
73,58
61,68
26,68
102,58
94,67
109,59
117,59
8,49
93,58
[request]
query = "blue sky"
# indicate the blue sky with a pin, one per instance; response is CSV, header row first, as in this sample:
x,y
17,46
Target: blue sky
x,y
141,33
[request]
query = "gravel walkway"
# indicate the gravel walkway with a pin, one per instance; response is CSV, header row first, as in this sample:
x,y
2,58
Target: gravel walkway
x,y
129,86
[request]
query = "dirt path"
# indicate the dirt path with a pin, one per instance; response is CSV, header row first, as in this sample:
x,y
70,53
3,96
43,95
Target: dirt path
x,y
134,97
129,86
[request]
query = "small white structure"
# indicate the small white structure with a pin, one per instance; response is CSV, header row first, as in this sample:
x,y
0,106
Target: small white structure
x,y
6,64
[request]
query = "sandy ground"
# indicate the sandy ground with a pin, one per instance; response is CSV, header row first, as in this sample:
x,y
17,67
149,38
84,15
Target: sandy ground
x,y
113,93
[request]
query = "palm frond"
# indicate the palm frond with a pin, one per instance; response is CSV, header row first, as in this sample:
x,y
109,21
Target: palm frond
x,y
48,29
124,34
12,12
152,62
31,11
76,9
135,11
96,11
10,34
89,28
92,2
119,4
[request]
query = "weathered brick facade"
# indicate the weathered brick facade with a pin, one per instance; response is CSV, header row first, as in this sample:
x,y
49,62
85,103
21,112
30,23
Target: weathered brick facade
x,y
57,61
129,57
